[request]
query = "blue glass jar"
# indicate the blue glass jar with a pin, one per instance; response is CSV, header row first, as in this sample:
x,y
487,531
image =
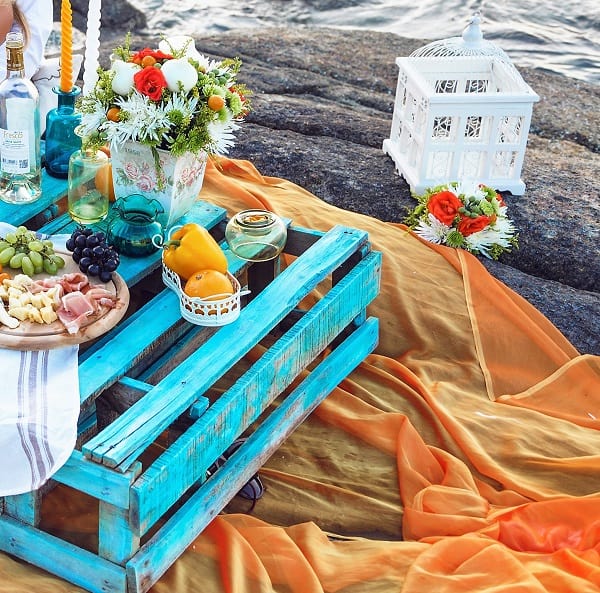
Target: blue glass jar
x,y
61,138
134,228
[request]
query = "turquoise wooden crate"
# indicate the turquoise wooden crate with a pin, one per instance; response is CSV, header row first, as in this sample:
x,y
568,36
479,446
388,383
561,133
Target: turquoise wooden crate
x,y
155,369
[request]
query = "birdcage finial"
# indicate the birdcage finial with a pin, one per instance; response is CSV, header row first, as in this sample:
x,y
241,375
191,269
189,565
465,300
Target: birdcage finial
x,y
472,35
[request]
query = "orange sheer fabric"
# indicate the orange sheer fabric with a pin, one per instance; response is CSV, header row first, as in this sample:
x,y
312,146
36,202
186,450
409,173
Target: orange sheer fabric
x,y
463,455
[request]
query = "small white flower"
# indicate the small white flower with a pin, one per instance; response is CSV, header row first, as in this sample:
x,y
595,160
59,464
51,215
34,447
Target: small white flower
x,y
433,231
91,121
185,106
222,134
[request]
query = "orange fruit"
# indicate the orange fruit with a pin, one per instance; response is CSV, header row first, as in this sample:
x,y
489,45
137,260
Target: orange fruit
x,y
216,102
148,61
113,114
104,181
211,285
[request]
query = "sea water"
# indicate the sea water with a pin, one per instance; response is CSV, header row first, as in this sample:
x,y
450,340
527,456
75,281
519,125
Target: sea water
x,y
562,36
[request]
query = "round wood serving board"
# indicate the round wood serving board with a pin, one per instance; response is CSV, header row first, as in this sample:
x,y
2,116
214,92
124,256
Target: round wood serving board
x,y
37,336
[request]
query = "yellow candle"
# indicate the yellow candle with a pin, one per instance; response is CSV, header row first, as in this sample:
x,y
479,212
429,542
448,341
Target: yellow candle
x,y
66,47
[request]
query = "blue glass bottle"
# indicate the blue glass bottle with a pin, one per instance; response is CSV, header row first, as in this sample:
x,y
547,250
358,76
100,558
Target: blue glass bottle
x,y
61,139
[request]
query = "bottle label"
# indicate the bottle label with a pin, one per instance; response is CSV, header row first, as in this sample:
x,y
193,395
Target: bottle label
x,y
14,151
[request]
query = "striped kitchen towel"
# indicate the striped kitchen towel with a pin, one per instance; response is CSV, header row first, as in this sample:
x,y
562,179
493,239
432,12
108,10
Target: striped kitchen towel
x,y
39,409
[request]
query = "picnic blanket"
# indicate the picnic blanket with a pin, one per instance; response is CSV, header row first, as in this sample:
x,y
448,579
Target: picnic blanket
x,y
463,455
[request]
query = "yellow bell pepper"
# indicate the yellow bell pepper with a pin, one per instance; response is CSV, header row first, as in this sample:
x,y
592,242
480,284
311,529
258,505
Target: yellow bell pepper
x,y
192,248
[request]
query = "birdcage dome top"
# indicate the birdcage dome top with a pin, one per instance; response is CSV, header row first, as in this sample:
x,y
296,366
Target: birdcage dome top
x,y
470,43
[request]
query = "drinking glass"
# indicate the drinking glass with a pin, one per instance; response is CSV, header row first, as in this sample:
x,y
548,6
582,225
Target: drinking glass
x,y
88,186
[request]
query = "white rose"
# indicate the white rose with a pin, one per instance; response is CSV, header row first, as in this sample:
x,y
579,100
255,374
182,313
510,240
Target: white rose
x,y
179,71
122,82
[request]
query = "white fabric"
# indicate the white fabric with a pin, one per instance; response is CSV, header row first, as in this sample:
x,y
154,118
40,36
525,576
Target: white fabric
x,y
39,17
47,78
39,409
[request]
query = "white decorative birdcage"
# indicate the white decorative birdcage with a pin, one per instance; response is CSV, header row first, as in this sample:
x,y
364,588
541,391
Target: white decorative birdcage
x,y
461,114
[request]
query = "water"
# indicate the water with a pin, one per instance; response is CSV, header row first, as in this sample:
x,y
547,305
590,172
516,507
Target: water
x,y
562,36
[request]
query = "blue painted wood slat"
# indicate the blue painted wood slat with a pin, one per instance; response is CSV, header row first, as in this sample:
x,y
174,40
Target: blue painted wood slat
x,y
157,555
186,460
140,425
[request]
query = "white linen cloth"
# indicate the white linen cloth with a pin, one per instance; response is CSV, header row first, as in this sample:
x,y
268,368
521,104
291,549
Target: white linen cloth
x,y
39,409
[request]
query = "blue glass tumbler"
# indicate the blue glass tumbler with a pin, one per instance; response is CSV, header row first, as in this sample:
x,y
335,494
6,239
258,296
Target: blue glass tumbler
x,y
61,139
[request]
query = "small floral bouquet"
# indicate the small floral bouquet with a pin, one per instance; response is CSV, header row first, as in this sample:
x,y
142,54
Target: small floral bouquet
x,y
171,98
464,215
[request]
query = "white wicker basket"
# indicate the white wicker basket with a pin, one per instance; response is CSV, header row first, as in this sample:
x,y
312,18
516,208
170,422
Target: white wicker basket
x,y
460,118
202,311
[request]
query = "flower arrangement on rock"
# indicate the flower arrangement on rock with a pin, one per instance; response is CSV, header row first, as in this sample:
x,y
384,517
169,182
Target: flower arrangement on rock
x,y
464,215
170,98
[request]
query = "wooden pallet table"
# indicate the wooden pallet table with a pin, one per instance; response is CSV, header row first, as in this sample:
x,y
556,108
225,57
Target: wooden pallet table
x,y
157,370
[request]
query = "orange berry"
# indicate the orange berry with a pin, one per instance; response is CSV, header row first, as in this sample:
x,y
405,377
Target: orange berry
x,y
216,102
148,61
113,114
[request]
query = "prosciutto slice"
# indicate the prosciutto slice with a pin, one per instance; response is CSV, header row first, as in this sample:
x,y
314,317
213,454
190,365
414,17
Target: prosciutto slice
x,y
79,298
74,309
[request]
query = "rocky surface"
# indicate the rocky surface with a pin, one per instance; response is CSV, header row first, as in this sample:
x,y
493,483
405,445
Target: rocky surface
x,y
322,106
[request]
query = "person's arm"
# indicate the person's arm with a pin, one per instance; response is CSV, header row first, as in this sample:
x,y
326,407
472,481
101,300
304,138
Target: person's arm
x,y
6,20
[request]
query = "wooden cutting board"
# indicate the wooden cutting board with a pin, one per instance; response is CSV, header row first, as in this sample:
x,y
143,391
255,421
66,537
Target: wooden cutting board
x,y
36,336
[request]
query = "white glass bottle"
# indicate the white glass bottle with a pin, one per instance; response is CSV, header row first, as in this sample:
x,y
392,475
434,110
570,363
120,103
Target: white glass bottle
x,y
20,156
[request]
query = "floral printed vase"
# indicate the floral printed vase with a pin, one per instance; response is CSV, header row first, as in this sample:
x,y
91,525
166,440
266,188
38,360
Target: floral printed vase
x,y
175,182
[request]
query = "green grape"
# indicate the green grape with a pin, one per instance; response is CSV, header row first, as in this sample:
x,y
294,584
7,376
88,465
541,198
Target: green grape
x,y
21,230
3,245
37,259
6,255
15,260
27,266
35,245
11,238
48,243
58,260
50,267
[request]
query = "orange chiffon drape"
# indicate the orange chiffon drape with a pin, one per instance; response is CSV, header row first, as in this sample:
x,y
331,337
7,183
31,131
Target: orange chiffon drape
x,y
463,455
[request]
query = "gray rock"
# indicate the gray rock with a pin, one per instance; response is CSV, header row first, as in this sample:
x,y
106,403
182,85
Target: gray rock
x,y
119,16
322,106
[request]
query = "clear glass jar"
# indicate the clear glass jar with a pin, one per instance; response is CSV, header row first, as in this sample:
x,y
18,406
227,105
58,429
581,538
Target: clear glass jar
x,y
88,186
256,235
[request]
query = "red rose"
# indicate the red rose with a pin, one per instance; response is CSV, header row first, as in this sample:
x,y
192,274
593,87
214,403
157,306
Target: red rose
x,y
444,206
155,53
467,226
150,81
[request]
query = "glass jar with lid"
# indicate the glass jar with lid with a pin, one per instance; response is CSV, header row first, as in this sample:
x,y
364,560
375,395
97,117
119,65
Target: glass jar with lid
x,y
256,235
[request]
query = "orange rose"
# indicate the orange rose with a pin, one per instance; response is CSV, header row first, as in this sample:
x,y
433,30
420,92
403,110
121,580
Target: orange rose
x,y
444,206
150,81
156,54
467,226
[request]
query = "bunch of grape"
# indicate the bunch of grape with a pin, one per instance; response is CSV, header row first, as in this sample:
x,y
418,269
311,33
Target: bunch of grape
x,y
93,254
22,249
